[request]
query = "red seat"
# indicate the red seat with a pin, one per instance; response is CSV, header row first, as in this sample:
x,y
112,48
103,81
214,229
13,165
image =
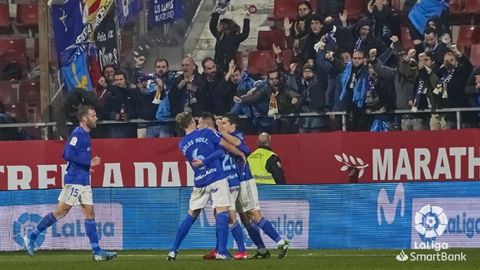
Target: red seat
x,y
467,35
472,6
287,56
475,55
239,59
26,112
16,112
314,4
4,16
27,14
284,8
33,112
21,60
12,47
9,92
30,91
407,42
267,38
456,6
355,8
260,62
397,5
127,43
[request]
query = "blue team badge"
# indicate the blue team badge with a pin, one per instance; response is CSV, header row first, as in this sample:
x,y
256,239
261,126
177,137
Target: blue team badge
x,y
25,224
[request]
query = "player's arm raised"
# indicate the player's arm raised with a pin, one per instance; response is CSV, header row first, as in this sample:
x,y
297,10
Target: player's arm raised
x,y
230,138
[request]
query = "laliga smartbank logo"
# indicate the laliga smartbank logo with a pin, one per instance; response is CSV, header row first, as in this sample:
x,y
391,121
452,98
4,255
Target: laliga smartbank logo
x,y
430,223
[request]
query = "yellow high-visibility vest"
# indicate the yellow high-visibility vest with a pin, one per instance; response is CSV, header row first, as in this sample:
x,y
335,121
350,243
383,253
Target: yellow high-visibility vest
x,y
258,166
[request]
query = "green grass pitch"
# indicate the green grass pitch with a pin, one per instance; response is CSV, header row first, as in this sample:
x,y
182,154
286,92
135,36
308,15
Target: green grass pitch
x,y
192,259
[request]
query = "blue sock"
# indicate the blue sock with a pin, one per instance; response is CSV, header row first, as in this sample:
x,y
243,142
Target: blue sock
x,y
216,231
254,233
182,232
91,230
46,222
222,232
216,237
267,227
238,236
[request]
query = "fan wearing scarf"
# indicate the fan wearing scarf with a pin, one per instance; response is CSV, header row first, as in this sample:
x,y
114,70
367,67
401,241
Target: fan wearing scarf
x,y
449,91
353,83
425,82
380,96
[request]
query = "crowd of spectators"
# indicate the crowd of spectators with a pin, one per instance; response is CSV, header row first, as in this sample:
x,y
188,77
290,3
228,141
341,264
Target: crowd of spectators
x,y
359,67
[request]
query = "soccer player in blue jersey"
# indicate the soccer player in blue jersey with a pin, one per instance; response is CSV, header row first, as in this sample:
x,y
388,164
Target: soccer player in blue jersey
x,y
76,190
210,181
247,204
206,120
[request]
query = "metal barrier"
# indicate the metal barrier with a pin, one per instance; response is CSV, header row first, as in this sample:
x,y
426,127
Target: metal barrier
x,y
458,112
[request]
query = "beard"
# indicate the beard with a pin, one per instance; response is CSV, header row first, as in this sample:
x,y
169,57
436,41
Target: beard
x,y
91,125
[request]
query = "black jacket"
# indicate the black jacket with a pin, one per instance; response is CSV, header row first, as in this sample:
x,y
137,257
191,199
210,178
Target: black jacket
x,y
330,7
180,98
226,46
220,95
456,87
347,38
118,98
471,90
275,168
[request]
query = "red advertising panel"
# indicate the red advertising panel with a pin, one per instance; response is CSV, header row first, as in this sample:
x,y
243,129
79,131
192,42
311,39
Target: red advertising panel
x,y
337,157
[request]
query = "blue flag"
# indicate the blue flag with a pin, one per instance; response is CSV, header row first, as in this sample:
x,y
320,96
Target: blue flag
x,y
74,67
423,10
67,22
164,11
127,10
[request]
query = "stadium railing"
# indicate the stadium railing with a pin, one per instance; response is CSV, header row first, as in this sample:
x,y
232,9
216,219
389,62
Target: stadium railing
x,y
46,128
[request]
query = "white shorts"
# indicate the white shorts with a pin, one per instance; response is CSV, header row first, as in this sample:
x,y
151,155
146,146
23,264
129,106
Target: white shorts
x,y
218,192
248,197
76,194
234,191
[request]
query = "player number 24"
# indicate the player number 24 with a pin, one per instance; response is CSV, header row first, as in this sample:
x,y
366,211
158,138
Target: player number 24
x,y
227,164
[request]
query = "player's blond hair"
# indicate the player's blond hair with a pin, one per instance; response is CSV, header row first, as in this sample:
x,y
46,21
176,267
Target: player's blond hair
x,y
184,119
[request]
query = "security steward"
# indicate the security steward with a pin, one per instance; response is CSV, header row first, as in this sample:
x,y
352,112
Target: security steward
x,y
265,164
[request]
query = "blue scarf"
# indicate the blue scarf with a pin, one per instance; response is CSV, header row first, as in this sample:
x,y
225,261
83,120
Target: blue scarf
x,y
420,93
443,82
360,88
381,126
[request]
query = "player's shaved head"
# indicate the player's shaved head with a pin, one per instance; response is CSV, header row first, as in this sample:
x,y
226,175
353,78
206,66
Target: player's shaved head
x,y
264,139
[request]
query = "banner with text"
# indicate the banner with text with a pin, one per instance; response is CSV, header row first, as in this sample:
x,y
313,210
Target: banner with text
x,y
164,11
106,41
324,158
387,215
